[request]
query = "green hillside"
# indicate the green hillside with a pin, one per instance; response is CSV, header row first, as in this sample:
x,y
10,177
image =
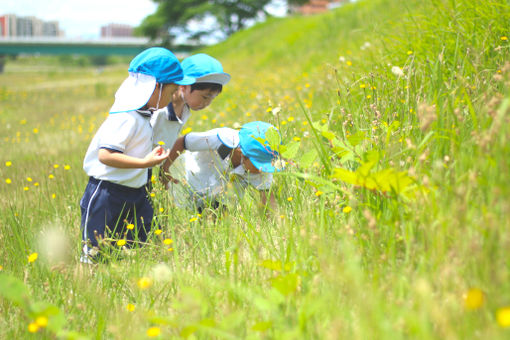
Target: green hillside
x,y
392,217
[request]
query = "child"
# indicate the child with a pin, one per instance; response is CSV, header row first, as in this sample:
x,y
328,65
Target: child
x,y
120,152
210,78
221,153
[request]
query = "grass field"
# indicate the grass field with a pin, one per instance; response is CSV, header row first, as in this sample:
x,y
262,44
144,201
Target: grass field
x,y
393,214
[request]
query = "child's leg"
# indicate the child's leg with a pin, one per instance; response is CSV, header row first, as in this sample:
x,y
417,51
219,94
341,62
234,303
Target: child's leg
x,y
93,216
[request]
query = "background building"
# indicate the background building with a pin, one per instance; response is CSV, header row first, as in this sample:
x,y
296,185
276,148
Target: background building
x,y
14,26
317,6
116,30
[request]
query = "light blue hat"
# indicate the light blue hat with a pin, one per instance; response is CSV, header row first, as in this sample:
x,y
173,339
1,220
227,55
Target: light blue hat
x,y
162,65
260,155
154,65
205,69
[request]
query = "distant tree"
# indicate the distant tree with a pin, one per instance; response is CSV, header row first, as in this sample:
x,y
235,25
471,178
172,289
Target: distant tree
x,y
231,16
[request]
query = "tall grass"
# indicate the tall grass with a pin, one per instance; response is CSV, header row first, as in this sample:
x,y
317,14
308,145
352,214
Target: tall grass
x,y
392,217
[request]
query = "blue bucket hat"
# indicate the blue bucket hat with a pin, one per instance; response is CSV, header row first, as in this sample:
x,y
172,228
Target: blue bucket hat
x,y
154,65
260,155
205,69
162,65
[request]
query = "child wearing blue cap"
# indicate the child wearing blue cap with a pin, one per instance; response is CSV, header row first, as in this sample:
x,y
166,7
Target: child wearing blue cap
x,y
121,152
220,154
209,80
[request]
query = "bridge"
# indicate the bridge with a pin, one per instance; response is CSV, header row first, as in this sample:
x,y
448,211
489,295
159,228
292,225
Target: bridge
x,y
93,47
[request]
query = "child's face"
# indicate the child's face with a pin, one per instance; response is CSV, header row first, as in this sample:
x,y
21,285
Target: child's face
x,y
248,166
198,99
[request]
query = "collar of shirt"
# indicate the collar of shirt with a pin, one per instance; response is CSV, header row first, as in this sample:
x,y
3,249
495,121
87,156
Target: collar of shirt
x,y
145,113
172,116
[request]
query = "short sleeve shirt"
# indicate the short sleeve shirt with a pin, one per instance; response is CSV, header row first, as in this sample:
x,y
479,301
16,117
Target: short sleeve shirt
x,y
167,126
127,132
208,166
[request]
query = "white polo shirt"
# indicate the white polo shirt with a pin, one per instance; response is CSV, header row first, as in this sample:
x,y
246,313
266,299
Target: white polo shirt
x,y
166,126
208,168
126,132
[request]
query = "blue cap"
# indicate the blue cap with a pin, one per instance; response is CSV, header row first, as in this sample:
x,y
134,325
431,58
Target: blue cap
x,y
260,155
162,65
205,69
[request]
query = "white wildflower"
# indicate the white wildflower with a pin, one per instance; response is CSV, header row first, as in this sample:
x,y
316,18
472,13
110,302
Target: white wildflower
x,y
397,71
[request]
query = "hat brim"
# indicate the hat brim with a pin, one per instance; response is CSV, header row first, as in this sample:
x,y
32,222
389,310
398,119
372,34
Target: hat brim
x,y
216,78
228,138
264,167
134,93
185,81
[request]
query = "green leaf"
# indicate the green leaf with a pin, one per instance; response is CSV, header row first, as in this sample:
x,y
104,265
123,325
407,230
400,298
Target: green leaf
x,y
188,330
356,138
273,138
328,134
14,290
276,265
290,150
262,326
307,159
286,284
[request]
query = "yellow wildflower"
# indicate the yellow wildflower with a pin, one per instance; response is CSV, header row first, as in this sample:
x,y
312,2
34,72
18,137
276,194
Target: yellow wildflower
x,y
161,143
130,226
67,167
347,209
318,193
290,119
41,321
473,298
167,241
35,130
56,166
32,257
121,243
289,199
193,219
158,231
51,176
144,282
161,209
153,332
32,327
409,52
503,317
8,163
297,139
130,307
504,38
29,179
8,181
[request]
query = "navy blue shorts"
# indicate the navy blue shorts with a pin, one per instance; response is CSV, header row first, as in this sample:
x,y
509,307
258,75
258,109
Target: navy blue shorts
x,y
107,208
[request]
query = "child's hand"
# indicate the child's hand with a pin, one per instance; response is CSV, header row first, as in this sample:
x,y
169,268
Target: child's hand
x,y
158,155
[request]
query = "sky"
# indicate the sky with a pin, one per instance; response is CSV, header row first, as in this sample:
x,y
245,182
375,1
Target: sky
x,y
84,18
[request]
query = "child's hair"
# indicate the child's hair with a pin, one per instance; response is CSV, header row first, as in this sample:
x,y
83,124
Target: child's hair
x,y
214,87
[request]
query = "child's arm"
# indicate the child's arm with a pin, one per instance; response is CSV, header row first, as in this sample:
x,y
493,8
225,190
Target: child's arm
x,y
120,160
177,149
